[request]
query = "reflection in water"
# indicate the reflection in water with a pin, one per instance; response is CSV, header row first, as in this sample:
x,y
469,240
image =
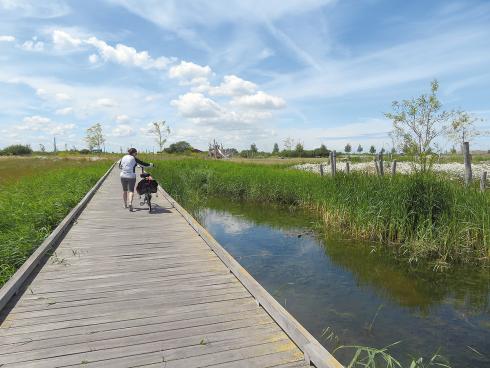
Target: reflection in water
x,y
365,296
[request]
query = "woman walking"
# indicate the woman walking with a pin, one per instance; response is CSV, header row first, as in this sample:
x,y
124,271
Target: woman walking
x,y
128,175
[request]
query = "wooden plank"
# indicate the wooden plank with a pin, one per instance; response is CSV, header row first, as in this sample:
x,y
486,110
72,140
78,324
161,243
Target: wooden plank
x,y
17,280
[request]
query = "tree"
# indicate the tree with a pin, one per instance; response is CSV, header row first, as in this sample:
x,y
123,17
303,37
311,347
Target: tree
x,y
161,131
179,147
299,149
323,151
462,128
42,148
382,150
417,122
253,149
348,148
94,137
359,149
288,144
275,150
372,150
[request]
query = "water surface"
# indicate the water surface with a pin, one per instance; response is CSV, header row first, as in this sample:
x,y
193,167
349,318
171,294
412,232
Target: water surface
x,y
365,297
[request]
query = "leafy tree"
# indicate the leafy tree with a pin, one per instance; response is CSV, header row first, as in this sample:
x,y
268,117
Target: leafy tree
x,y
348,148
372,149
275,150
161,131
94,137
299,149
393,150
323,151
462,128
253,148
42,148
417,122
359,149
382,150
178,147
16,150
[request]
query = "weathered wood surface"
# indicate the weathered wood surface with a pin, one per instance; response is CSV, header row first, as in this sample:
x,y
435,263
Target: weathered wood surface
x,y
138,289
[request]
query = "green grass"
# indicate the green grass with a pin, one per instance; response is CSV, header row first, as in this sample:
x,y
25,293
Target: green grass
x,y
423,217
32,204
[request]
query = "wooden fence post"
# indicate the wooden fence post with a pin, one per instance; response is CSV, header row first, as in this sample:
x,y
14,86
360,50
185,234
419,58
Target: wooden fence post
x,y
376,166
393,167
347,167
381,166
467,163
483,181
321,169
330,159
334,163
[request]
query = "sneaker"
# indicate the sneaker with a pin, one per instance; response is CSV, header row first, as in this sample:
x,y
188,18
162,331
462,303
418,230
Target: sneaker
x,y
130,208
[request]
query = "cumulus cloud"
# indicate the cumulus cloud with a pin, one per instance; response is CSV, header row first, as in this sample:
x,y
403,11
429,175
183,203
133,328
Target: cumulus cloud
x,y
105,102
38,123
190,73
64,111
33,45
233,86
93,59
7,38
122,130
127,55
196,105
260,100
122,118
60,96
63,40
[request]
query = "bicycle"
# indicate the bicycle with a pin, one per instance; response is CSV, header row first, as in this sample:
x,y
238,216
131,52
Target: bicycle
x,y
145,188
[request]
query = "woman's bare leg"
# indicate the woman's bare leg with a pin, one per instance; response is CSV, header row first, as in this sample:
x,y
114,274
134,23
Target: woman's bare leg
x,y
130,200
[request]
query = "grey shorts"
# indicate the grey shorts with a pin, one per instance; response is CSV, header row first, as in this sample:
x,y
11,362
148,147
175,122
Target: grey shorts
x,y
128,184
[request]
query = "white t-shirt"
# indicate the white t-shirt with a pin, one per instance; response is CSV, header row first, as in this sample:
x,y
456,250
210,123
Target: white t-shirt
x,y
127,166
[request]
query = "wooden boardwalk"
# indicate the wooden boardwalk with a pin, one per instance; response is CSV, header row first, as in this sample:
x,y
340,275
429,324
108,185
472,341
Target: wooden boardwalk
x,y
139,290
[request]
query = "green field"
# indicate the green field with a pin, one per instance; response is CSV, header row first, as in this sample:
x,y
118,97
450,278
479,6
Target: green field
x,y
35,195
422,217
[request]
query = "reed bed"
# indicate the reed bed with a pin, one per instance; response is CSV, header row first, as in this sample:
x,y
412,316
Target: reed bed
x,y
33,204
421,216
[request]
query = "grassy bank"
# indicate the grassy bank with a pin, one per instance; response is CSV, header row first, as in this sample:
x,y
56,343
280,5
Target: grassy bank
x,y
33,203
424,216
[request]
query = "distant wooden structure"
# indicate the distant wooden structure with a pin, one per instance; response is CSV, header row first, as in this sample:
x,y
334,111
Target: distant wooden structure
x,y
217,151
126,289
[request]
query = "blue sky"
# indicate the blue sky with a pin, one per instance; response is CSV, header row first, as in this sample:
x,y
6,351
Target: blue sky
x,y
319,71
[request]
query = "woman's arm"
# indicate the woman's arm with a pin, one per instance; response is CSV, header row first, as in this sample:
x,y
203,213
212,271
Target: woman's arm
x,y
142,163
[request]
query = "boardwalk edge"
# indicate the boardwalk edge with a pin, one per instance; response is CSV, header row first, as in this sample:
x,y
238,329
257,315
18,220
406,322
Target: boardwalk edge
x,y
13,285
313,351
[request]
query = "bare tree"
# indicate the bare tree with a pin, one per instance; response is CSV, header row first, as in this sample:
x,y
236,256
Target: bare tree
x,y
462,128
94,137
161,131
288,144
417,122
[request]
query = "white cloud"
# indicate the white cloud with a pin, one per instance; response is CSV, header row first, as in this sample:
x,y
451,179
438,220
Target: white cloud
x,y
93,59
196,105
33,45
38,123
105,102
122,118
127,55
190,73
260,100
60,96
6,38
122,130
63,40
233,86
64,111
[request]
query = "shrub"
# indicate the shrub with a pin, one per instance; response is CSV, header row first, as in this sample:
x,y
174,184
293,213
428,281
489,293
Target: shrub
x,y
16,150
